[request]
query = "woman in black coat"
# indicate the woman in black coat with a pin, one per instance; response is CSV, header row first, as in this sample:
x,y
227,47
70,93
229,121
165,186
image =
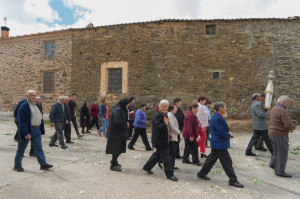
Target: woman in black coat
x,y
117,132
160,140
84,117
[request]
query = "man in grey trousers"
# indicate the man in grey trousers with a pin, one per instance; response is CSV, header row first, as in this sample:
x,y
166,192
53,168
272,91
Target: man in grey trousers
x,y
260,126
57,119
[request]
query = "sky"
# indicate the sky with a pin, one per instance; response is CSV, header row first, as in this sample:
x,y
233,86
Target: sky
x,y
33,16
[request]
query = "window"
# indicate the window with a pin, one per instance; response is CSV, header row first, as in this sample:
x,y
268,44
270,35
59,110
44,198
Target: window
x,y
216,75
115,80
211,30
49,50
48,82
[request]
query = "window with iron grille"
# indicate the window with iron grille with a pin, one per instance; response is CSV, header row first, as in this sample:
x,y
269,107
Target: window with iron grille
x,y
49,50
211,29
115,80
216,75
49,82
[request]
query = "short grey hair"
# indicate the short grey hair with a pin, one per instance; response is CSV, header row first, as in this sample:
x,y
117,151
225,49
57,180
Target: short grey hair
x,y
61,97
282,98
219,105
30,91
164,101
66,97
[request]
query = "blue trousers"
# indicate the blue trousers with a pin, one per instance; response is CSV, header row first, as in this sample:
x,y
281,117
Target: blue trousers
x,y
104,122
36,140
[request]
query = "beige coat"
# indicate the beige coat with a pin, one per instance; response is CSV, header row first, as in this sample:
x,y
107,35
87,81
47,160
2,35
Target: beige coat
x,y
174,127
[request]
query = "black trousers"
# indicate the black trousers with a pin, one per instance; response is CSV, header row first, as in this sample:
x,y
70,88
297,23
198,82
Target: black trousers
x,y
67,131
172,145
95,121
177,150
191,147
255,137
260,143
130,127
225,160
74,121
164,156
143,134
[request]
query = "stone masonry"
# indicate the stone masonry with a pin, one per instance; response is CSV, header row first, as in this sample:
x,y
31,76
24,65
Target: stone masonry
x,y
167,58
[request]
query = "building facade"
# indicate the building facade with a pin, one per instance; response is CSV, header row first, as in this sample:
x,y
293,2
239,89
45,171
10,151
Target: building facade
x,y
226,60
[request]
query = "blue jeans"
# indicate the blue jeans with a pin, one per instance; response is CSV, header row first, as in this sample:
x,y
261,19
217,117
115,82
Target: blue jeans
x,y
104,122
36,140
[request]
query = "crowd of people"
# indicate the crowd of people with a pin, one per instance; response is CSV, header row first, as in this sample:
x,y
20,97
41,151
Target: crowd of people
x,y
198,128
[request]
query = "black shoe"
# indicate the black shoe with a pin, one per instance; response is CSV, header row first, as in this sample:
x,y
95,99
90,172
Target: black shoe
x,y
149,149
186,162
83,132
236,184
32,155
160,165
178,157
203,176
80,136
148,171
88,131
117,164
173,178
203,155
175,168
51,145
261,149
285,175
18,169
115,168
131,148
70,142
64,147
250,154
46,167
197,164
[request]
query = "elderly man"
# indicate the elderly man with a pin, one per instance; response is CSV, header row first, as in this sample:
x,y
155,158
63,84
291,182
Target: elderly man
x,y
57,119
30,122
280,126
220,142
67,126
260,126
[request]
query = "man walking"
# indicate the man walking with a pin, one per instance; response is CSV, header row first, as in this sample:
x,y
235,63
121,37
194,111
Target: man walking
x,y
260,126
180,118
280,126
259,145
72,105
57,119
67,127
30,121
94,111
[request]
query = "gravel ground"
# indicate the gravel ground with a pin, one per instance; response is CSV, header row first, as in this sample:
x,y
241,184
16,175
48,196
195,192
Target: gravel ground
x,y
82,171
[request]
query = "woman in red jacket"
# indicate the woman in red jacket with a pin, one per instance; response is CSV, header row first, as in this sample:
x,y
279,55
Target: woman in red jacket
x,y
190,133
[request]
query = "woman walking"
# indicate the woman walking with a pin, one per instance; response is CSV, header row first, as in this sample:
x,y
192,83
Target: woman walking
x,y
103,115
160,140
174,128
117,133
203,124
85,117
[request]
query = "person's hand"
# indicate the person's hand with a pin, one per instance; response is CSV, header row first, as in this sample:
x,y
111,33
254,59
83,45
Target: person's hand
x,y
28,137
67,121
191,139
15,118
74,113
52,124
166,120
295,122
84,117
231,135
128,124
147,122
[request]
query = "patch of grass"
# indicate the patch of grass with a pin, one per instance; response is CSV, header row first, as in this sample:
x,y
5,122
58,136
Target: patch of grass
x,y
46,121
259,159
255,180
46,152
98,151
175,187
12,145
218,171
297,148
8,134
295,152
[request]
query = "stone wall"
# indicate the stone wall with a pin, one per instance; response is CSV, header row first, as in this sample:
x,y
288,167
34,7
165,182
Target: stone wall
x,y
22,65
176,59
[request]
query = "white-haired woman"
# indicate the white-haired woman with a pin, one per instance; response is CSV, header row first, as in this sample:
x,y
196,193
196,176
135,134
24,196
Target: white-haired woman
x,y
160,140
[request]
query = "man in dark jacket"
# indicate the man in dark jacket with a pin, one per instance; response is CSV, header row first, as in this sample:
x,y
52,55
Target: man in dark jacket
x,y
160,140
30,125
131,113
57,118
72,105
220,142
180,118
67,127
94,111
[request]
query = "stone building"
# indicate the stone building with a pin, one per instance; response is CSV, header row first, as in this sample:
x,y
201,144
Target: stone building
x,y
225,60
